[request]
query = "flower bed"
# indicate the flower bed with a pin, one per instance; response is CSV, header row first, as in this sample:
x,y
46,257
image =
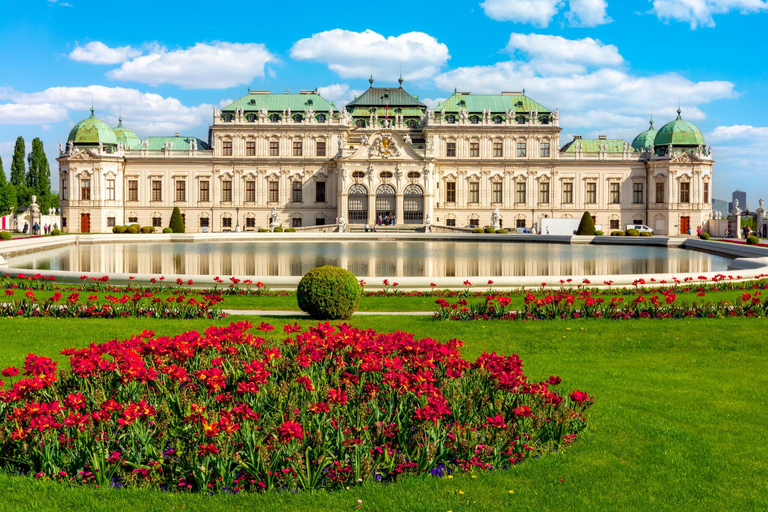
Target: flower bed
x,y
564,305
231,411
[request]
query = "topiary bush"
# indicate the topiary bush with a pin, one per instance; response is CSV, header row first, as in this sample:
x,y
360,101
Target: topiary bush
x,y
147,229
478,230
120,229
167,230
329,293
704,235
177,223
134,229
489,229
752,240
586,226
646,233
598,233
617,233
632,232
278,229
263,230
290,230
501,231
56,232
5,235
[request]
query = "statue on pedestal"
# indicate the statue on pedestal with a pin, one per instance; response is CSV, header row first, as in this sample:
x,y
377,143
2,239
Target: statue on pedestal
x,y
495,219
273,216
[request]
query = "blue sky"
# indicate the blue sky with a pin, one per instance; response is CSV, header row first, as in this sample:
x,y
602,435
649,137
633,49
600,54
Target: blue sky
x,y
606,64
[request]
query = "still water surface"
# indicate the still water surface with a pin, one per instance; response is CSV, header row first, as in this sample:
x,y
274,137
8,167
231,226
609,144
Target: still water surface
x,y
374,258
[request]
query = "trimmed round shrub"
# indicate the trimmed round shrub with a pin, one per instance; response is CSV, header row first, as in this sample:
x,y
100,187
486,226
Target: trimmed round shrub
x,y
290,230
617,233
167,230
632,232
586,226
329,293
5,235
501,231
478,230
489,229
704,235
147,229
752,240
598,233
263,230
278,229
120,229
56,232
646,233
134,229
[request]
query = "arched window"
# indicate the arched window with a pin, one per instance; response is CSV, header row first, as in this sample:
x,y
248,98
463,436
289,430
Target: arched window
x,y
297,118
498,119
358,190
414,175
320,118
357,204
451,118
251,118
474,119
520,119
411,123
385,201
358,175
275,118
385,175
360,123
413,205
228,118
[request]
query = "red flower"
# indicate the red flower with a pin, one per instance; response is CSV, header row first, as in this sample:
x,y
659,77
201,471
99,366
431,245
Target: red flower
x,y
290,430
337,396
319,407
11,371
579,397
523,411
554,380
207,449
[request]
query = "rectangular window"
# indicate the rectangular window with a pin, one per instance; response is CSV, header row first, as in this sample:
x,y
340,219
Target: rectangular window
x,y
250,222
297,148
226,191
63,222
614,224
296,189
520,223
226,222
110,190
296,222
205,191
685,192
85,190
226,147
250,148
133,190
615,193
157,222
274,148
519,192
498,189
250,191
133,220
474,149
637,193
203,222
274,191
474,191
450,222
498,149
568,193
450,149
110,222
544,150
157,190
521,149
320,221
706,192
591,193
181,190
65,189
320,148
473,223
660,192
543,192
320,192
450,191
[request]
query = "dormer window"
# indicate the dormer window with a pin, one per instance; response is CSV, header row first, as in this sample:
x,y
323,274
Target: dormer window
x,y
309,102
462,103
298,118
274,118
320,118
498,119
252,102
544,119
451,118
474,119
411,123
251,118
360,123
520,119
519,104
228,118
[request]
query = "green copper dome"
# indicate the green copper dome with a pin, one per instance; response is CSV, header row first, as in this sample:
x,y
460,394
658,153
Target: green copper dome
x,y
679,133
128,138
91,131
645,139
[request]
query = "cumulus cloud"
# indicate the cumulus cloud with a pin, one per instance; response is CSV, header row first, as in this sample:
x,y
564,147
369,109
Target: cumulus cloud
x,y
145,113
581,13
97,52
217,65
559,55
700,12
338,94
738,151
356,54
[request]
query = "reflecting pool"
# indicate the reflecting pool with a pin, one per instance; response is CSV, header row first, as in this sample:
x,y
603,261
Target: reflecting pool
x,y
378,258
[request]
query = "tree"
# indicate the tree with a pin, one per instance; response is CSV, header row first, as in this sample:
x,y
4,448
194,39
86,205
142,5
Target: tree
x,y
586,226
8,199
3,181
177,223
39,172
17,164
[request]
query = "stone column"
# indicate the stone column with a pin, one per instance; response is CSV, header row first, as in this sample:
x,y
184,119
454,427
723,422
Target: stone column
x,y
371,208
399,208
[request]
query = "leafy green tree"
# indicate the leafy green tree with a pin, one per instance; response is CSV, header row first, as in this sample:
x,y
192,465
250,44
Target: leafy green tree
x,y
8,200
17,164
586,226
177,223
38,172
3,181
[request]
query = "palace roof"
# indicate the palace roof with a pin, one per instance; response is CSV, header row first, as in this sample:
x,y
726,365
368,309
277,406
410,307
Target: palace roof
x,y
92,131
179,143
128,137
679,133
383,96
645,139
593,145
496,103
255,100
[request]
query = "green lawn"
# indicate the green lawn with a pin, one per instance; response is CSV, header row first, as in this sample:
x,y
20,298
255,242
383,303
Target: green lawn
x,y
679,420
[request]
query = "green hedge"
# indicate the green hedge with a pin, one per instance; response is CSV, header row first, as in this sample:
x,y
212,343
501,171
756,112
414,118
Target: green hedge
x,y
263,230
632,232
598,233
329,293
290,230
646,233
586,226
704,235
176,224
134,229
617,233
278,229
752,240
501,231
56,232
478,230
489,229
148,229
5,235
167,230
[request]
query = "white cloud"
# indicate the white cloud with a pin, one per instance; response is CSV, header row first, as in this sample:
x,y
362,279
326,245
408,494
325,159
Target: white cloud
x,y
739,152
555,54
225,102
145,113
97,52
432,103
358,54
338,94
62,4
535,12
217,65
740,131
700,12
588,13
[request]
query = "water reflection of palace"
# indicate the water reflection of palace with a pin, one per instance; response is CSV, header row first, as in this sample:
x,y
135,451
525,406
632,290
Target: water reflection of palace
x,y
384,260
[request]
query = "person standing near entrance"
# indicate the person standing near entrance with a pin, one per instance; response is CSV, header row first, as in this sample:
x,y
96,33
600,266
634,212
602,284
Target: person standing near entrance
x,y
26,228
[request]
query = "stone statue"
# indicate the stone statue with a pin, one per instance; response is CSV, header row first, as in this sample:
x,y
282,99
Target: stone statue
x,y
70,146
495,218
430,115
34,199
274,218
342,142
407,139
61,148
760,202
363,139
428,220
144,144
193,145
736,210
342,224
463,115
101,147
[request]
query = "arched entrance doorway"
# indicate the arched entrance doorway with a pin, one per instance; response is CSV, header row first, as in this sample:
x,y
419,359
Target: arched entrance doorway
x,y
413,205
385,201
357,204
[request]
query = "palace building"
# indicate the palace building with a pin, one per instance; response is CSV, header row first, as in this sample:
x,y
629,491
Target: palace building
x,y
386,154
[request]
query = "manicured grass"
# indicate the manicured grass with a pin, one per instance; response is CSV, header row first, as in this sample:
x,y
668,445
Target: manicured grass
x,y
679,420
